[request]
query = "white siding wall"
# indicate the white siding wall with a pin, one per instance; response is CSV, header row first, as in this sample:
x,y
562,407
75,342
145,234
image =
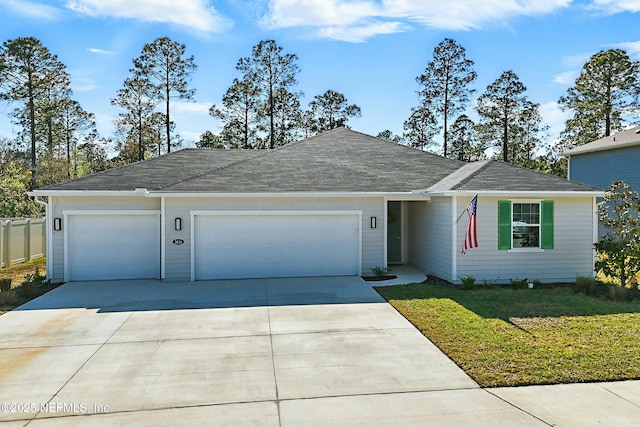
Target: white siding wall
x,y
178,258
60,204
429,236
572,254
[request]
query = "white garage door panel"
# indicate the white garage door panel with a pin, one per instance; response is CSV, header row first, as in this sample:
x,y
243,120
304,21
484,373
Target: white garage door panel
x,y
102,247
243,246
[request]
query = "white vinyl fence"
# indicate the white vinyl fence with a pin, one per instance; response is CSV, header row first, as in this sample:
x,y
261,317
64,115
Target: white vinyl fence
x,y
21,240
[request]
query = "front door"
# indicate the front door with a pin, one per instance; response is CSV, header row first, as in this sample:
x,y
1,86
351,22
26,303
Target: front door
x,y
394,232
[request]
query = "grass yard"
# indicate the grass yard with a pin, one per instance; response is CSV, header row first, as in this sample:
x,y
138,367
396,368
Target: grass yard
x,y
17,273
507,337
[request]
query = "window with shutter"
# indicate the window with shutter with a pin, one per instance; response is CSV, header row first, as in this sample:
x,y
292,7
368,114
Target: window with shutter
x,y
525,224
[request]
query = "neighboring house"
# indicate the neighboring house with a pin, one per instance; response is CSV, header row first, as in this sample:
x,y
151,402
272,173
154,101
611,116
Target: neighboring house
x,y
609,159
338,203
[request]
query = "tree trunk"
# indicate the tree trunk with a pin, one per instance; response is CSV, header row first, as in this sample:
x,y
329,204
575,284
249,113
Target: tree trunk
x,y
140,150
446,114
505,139
271,119
32,120
68,154
168,123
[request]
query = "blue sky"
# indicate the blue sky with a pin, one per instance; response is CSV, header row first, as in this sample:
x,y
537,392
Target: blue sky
x,y
370,50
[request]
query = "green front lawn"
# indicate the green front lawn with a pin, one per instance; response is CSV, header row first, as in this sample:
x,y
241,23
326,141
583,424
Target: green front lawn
x,y
507,337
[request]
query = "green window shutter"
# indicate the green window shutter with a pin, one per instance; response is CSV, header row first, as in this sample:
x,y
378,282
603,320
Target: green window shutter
x,y
504,224
546,238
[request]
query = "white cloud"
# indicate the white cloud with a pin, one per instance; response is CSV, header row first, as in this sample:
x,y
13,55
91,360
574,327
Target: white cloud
x,y
34,10
554,117
357,20
190,138
99,51
632,48
616,6
577,60
183,107
83,85
192,14
357,34
469,14
567,77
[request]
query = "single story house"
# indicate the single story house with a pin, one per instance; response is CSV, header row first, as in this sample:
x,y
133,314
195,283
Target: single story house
x,y
608,159
338,203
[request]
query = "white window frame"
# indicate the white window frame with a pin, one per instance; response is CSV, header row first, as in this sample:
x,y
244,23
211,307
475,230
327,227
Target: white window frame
x,y
527,248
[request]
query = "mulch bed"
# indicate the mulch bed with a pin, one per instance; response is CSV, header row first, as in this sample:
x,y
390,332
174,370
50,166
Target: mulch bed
x,y
378,278
23,299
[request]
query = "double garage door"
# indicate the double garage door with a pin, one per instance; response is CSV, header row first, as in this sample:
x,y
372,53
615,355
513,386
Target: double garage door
x,y
275,244
126,245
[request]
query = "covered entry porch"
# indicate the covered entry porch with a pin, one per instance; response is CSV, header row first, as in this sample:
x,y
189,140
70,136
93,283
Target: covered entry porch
x,y
420,233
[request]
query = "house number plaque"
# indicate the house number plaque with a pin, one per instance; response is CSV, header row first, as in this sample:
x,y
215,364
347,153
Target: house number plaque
x,y
178,241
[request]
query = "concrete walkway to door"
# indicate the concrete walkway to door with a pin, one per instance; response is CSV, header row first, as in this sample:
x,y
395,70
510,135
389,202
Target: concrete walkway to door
x,y
268,352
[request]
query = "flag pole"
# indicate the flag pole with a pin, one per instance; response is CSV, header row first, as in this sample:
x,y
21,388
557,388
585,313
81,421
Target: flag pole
x,y
465,209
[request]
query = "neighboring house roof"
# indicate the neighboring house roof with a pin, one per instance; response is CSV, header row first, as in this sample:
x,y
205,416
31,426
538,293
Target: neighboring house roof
x,y
625,138
341,160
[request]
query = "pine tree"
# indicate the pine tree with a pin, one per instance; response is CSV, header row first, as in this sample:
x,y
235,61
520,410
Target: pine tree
x,y
331,110
272,72
603,94
30,75
445,84
164,64
501,108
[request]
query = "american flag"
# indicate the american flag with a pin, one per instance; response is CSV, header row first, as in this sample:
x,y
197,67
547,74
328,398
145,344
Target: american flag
x,y
471,239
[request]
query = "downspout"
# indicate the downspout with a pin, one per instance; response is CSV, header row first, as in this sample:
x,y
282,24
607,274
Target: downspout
x,y
163,225
454,237
596,232
49,234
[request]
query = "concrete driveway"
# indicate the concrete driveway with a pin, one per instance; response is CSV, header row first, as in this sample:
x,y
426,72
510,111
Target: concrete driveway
x,y
274,352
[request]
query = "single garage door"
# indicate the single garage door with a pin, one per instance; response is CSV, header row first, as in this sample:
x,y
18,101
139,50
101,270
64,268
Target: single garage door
x,y
113,246
275,244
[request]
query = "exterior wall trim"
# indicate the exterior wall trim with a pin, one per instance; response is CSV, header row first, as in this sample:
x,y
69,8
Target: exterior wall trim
x,y
409,195
521,194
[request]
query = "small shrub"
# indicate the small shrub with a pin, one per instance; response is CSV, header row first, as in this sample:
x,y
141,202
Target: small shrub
x,y
5,284
468,282
519,283
8,297
617,293
35,278
585,285
28,288
380,272
487,284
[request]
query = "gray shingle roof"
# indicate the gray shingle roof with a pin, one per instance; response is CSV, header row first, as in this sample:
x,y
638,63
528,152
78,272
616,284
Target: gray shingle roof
x,y
625,138
500,176
340,160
